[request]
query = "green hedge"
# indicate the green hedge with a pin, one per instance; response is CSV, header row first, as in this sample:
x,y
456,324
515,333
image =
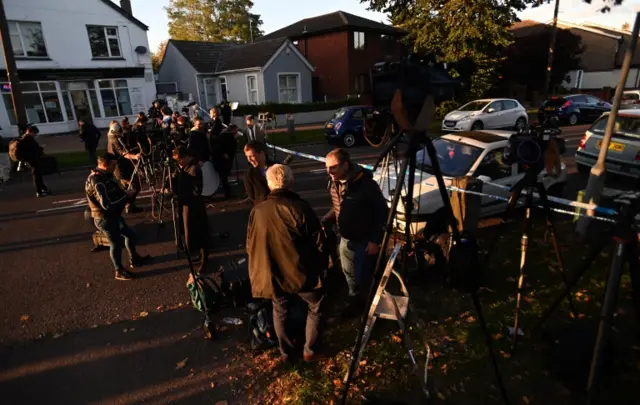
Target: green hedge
x,y
277,108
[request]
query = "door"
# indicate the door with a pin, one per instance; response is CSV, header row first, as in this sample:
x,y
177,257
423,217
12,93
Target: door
x,y
209,93
586,110
80,102
356,122
597,107
495,115
252,89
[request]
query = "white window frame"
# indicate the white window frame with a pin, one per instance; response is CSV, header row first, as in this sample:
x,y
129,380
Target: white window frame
x,y
106,38
113,88
298,84
39,91
221,98
205,80
246,83
579,78
24,49
358,42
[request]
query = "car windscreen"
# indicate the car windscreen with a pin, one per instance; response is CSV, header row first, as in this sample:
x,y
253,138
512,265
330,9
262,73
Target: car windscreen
x,y
339,114
473,106
624,125
554,102
455,158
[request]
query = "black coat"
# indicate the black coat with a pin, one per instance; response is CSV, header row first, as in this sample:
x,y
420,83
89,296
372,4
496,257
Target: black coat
x,y
255,184
31,150
90,135
285,244
198,145
125,166
223,151
188,186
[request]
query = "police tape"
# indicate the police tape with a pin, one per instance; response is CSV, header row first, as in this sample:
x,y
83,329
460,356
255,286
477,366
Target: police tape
x,y
562,201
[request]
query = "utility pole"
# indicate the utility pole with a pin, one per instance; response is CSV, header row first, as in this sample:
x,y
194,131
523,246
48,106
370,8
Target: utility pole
x,y
250,26
595,185
12,71
552,47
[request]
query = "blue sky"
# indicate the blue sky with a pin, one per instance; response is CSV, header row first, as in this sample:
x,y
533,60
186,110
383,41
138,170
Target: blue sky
x,y
280,13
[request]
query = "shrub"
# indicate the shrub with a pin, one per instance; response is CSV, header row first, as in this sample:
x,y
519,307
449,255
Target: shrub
x,y
445,108
278,108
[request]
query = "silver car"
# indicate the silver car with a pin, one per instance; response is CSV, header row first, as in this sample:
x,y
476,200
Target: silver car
x,y
623,156
493,113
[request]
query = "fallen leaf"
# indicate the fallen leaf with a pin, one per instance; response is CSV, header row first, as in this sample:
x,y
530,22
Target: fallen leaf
x,y
396,338
182,363
143,314
525,400
337,382
24,317
505,354
441,396
125,330
57,335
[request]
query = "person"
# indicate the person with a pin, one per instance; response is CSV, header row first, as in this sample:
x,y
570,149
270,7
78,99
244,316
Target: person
x,y
129,140
198,144
90,135
285,251
33,153
225,110
215,125
125,168
360,212
253,132
155,113
223,146
167,117
179,132
106,199
255,182
188,186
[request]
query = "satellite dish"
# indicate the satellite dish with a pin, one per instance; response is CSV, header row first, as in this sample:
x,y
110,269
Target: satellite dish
x,y
141,49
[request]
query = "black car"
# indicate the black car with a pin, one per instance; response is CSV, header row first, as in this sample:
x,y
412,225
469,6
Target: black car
x,y
574,109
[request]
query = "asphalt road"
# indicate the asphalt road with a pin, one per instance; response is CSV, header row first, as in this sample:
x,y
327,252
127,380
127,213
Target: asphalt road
x,y
70,333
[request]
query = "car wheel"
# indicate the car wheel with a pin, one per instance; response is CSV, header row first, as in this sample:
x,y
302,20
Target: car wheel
x,y
478,125
349,140
573,119
521,123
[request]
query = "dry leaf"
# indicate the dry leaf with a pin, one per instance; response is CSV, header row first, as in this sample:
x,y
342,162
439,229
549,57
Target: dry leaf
x,y
143,314
182,363
505,354
441,396
337,382
24,317
396,338
57,335
525,400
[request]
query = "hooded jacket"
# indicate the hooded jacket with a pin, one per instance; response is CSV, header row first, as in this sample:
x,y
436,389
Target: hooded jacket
x,y
105,196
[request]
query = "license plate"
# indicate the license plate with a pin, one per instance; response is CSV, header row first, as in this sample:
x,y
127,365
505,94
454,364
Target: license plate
x,y
614,146
449,123
550,109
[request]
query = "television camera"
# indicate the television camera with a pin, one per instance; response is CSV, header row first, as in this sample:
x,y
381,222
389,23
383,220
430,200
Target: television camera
x,y
533,146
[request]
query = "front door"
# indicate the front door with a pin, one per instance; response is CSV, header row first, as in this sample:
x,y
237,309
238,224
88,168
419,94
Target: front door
x,y
209,93
81,108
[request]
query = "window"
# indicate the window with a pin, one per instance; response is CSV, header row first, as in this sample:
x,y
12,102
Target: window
x,y
493,167
223,88
104,41
288,88
509,104
456,159
66,100
358,40
579,99
252,89
624,125
593,100
496,105
27,39
115,97
40,100
361,83
357,114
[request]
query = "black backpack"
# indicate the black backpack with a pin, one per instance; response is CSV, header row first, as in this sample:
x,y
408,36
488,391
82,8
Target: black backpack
x,y
262,334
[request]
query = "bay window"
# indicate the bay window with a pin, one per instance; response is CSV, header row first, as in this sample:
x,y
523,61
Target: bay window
x,y
115,97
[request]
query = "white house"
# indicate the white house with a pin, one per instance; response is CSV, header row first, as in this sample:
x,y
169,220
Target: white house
x,y
76,59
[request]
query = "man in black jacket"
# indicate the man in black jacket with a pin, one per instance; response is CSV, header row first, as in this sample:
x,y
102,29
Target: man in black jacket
x,y
106,199
188,189
198,143
286,257
223,153
360,213
90,135
125,168
32,153
255,182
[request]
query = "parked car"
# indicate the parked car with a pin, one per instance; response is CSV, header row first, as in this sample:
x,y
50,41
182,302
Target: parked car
x,y
492,113
346,125
623,156
472,153
574,109
630,99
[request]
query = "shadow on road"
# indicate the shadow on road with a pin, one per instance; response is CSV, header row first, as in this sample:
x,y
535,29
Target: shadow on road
x,y
128,363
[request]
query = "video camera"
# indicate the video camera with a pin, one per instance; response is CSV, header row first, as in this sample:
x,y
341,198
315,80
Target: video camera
x,y
528,147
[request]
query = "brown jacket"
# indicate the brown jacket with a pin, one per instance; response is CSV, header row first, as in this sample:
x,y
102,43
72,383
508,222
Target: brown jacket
x,y
285,244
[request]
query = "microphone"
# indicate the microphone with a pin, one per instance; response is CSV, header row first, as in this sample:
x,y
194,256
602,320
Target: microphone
x,y
288,160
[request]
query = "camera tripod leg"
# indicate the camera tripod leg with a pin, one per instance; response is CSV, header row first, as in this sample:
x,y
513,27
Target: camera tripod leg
x,y
524,244
506,216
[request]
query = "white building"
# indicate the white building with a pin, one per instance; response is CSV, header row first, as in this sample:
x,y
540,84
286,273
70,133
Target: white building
x,y
76,59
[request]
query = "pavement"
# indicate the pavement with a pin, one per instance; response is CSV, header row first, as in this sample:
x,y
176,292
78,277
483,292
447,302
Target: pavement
x,y
71,334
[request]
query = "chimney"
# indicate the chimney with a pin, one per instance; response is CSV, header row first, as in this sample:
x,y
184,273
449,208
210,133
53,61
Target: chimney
x,y
126,6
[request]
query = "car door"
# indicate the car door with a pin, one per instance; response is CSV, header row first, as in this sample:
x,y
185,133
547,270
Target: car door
x,y
356,122
493,115
598,107
491,167
510,113
581,104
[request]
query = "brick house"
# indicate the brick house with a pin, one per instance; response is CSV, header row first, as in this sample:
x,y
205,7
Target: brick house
x,y
342,47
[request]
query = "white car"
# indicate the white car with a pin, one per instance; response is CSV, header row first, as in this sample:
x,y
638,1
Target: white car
x,y
473,153
494,113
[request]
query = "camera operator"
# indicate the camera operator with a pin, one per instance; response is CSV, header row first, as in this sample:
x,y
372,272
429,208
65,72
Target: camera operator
x,y
225,110
285,249
32,153
125,167
198,144
360,213
188,186
255,182
90,135
155,113
106,199
180,132
167,117
215,125
223,151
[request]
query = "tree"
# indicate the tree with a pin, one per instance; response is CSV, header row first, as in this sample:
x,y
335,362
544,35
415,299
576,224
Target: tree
x,y
526,59
156,57
460,31
213,20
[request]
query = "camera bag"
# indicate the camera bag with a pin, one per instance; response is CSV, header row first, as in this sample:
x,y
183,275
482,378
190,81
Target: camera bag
x,y
235,282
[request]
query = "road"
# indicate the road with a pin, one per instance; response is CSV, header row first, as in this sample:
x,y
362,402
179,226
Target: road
x,y
70,333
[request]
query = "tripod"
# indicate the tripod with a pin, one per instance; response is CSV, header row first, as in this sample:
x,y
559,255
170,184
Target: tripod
x,y
529,183
625,250
167,187
409,165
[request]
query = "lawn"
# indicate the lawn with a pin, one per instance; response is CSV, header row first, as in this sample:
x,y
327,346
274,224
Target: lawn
x,y
460,373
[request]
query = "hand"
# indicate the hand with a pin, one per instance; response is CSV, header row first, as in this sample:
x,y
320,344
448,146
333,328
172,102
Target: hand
x,y
372,248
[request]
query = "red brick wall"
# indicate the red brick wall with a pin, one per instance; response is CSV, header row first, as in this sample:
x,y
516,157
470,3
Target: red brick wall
x,y
375,50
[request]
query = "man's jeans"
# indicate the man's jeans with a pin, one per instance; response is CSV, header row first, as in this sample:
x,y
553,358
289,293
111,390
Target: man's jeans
x,y
281,309
115,229
357,265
